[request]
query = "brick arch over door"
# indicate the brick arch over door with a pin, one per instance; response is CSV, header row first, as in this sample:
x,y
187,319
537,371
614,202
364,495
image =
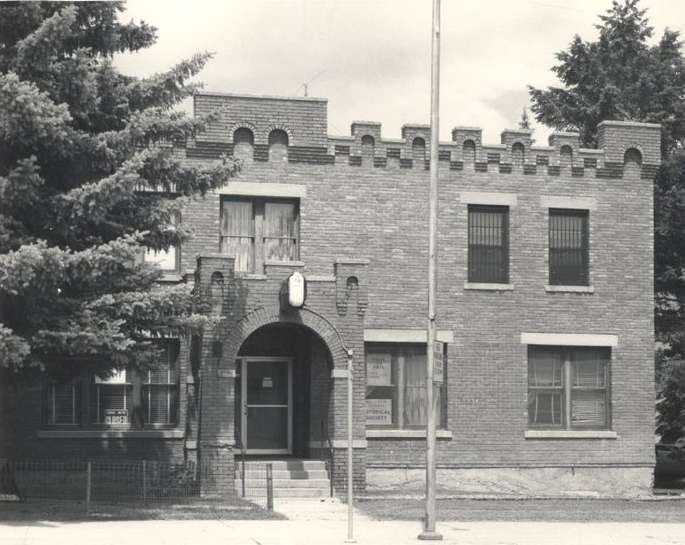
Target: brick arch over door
x,y
272,315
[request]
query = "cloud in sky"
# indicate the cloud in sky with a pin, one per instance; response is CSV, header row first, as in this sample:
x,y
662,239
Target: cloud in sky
x,y
371,58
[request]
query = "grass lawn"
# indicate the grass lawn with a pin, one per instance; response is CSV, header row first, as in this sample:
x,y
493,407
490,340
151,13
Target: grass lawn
x,y
563,510
74,511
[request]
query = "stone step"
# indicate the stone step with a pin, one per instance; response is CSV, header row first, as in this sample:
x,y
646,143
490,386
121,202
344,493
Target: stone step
x,y
287,492
290,465
287,483
283,474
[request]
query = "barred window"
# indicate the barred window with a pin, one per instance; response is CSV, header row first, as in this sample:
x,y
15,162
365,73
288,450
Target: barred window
x,y
568,387
488,237
568,247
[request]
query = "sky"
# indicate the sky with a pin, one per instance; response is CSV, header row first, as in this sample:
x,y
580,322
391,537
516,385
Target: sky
x,y
371,58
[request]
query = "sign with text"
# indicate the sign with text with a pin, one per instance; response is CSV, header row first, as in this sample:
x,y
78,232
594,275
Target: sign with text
x,y
438,362
379,412
378,370
116,416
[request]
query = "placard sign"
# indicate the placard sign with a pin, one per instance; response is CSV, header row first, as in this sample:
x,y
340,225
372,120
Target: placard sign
x,y
379,412
378,370
438,362
116,416
117,377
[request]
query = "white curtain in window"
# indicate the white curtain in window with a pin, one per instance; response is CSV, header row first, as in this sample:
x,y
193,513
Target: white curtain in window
x,y
280,231
237,233
415,389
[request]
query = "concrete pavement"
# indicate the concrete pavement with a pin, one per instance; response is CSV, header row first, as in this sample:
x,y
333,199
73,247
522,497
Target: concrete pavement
x,y
324,523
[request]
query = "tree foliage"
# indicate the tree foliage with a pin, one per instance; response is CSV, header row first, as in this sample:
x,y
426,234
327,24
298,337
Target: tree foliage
x,y
626,75
78,142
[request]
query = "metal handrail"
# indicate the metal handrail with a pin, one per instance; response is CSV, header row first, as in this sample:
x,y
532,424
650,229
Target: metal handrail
x,y
329,463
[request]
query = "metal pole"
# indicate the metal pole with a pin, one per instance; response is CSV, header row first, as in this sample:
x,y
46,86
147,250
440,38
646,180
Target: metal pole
x,y
88,485
429,532
269,487
350,481
144,480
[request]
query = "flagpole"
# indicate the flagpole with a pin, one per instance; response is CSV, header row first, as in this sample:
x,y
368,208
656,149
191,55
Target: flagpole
x,y
429,532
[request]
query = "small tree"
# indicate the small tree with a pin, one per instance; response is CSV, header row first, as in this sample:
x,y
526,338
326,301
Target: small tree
x,y
78,140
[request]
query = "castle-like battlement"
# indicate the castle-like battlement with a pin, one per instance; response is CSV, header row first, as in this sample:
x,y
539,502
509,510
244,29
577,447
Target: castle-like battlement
x,y
249,126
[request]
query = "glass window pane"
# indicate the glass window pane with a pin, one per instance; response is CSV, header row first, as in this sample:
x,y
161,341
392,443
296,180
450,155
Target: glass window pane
x,y
545,368
62,404
280,231
568,247
488,252
164,259
588,408
589,370
544,408
237,233
414,389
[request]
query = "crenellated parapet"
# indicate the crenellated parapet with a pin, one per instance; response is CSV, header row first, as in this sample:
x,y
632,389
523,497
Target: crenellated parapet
x,y
294,130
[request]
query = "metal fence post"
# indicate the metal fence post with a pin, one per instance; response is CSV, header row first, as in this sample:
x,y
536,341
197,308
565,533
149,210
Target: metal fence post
x,y
88,485
269,487
144,480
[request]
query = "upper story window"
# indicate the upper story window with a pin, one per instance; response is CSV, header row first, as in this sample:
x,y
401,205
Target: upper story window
x,y
396,386
488,239
258,230
568,387
569,247
168,260
278,145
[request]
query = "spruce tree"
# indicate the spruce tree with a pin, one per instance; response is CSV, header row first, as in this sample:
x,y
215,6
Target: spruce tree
x,y
87,176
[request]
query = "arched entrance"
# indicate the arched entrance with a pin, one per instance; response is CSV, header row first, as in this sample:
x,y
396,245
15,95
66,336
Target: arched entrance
x,y
283,391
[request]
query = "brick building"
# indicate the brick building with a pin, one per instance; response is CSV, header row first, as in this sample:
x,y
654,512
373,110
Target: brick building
x,y
545,310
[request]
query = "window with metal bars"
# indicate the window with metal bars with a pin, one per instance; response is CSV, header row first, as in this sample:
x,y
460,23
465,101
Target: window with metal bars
x,y
488,238
568,388
569,247
258,230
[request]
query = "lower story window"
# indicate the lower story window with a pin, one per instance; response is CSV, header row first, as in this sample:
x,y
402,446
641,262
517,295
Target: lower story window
x,y
568,387
62,404
121,399
396,386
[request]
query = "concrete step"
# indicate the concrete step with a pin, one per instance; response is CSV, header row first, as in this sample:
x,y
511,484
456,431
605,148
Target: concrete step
x,y
287,483
283,474
281,465
287,492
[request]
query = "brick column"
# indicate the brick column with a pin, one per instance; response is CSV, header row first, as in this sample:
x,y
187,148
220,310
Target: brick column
x,y
216,435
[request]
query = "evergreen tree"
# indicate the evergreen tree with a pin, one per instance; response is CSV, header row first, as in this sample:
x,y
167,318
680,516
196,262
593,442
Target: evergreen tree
x,y
78,141
622,76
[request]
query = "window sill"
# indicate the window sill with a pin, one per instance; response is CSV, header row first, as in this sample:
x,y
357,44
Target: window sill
x,y
570,434
488,286
405,434
570,289
171,277
270,263
111,434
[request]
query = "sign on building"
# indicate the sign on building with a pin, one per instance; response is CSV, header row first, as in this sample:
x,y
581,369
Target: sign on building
x,y
379,412
438,362
378,370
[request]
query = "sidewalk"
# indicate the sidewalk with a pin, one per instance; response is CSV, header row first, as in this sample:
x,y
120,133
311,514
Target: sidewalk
x,y
324,523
